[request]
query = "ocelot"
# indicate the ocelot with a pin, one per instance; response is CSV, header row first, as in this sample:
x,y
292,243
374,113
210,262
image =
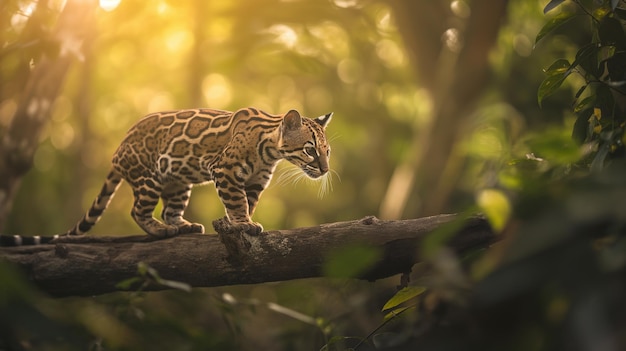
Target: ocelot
x,y
166,153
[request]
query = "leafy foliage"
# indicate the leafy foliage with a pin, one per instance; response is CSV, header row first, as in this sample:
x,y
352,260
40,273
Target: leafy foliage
x,y
602,64
402,296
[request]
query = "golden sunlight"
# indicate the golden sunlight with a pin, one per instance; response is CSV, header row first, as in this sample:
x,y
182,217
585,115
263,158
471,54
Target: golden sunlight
x,y
217,90
284,34
109,5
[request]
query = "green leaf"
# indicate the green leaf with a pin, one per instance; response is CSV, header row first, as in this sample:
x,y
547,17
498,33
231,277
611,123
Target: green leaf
x,y
495,206
395,312
585,103
600,12
127,283
402,296
554,23
557,67
550,85
557,72
586,57
584,52
350,261
605,54
551,5
580,91
142,268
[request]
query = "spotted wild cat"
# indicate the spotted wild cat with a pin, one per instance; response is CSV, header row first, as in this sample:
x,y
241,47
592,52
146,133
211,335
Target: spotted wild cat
x,y
165,154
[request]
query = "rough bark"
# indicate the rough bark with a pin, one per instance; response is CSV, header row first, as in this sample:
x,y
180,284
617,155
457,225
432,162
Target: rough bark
x,y
94,265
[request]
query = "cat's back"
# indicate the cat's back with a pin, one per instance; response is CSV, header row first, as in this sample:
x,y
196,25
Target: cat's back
x,y
163,127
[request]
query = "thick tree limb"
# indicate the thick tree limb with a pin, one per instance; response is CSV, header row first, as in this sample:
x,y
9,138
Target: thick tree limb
x,y
94,265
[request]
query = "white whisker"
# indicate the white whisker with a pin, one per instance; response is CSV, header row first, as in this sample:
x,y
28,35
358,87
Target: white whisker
x,y
295,175
334,137
291,175
326,185
336,174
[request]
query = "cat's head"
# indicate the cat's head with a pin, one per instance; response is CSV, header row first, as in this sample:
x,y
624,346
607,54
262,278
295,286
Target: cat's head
x,y
303,143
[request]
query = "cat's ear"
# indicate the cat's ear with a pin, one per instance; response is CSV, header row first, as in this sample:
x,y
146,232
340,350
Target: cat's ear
x,y
292,120
324,119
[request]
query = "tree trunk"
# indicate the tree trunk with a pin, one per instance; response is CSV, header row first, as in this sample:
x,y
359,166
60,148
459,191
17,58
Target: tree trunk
x,y
94,265
455,75
20,140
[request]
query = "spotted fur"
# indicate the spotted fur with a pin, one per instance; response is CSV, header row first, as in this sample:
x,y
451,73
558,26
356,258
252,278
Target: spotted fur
x,y
165,154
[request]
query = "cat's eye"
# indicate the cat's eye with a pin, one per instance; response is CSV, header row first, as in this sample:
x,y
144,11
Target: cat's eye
x,y
311,151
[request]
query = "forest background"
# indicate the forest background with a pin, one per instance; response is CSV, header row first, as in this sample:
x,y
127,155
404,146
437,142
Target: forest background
x,y
439,107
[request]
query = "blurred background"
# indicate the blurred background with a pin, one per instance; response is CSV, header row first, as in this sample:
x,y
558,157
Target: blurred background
x,y
435,111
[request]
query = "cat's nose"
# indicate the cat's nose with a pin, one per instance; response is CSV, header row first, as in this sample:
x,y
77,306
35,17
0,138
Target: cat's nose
x,y
323,167
322,163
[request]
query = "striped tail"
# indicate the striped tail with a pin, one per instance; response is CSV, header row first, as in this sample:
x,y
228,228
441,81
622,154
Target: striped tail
x,y
18,240
100,204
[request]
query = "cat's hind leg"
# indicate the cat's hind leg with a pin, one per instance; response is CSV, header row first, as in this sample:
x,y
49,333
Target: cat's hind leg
x,y
175,199
147,192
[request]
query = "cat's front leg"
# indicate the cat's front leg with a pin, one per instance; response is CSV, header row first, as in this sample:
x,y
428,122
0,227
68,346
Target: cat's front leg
x,y
233,195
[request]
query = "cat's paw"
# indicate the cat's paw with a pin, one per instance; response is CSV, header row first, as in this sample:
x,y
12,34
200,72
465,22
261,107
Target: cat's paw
x,y
191,228
250,228
164,231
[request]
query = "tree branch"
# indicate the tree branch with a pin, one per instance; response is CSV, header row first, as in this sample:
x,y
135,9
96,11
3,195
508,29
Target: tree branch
x,y
94,265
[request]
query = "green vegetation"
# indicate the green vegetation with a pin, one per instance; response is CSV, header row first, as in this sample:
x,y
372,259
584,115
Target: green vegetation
x,y
440,106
